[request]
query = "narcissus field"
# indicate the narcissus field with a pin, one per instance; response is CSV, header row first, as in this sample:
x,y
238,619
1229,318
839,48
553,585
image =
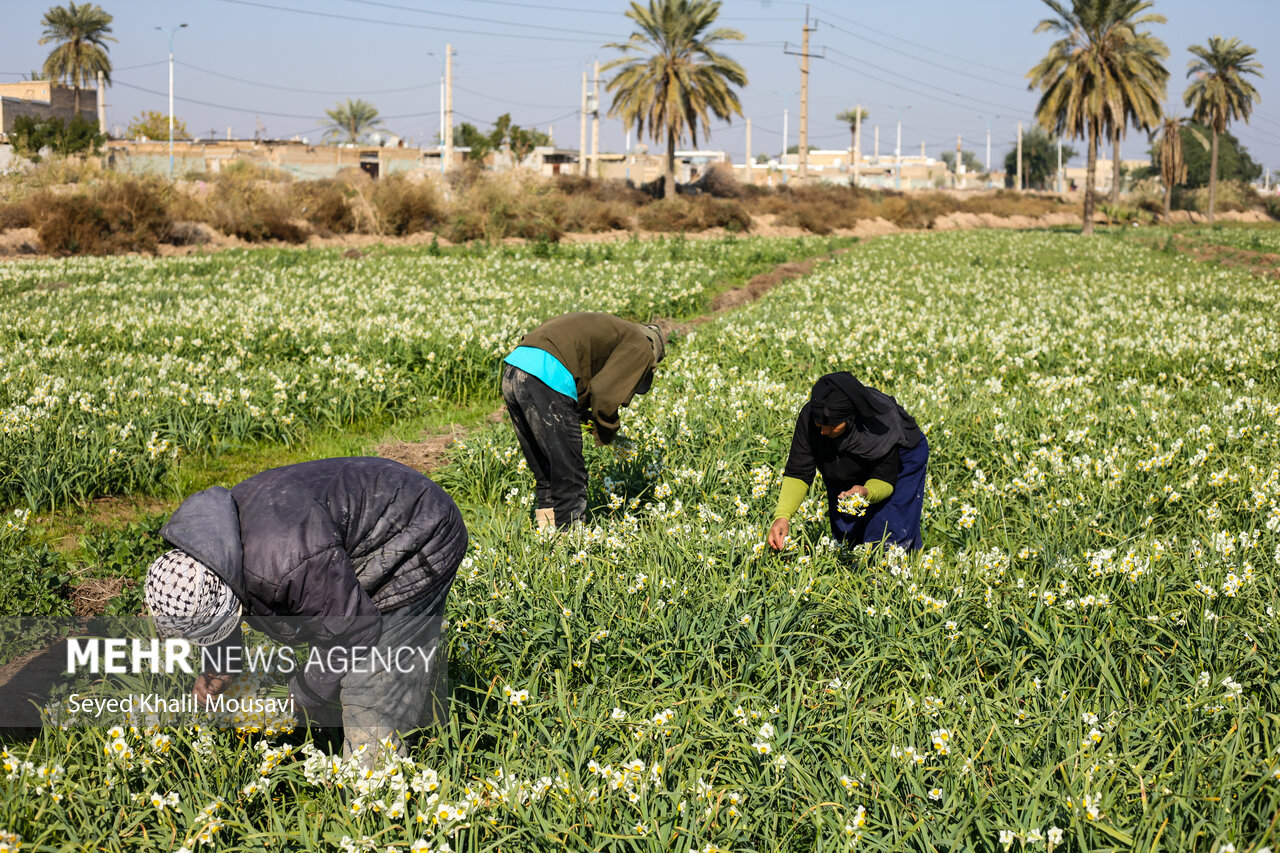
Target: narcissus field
x,y
1083,657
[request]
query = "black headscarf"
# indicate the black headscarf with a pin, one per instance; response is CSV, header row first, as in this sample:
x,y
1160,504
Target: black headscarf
x,y
877,424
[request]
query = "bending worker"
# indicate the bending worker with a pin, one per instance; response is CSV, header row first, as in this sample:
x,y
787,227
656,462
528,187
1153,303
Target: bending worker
x,y
864,444
350,555
572,369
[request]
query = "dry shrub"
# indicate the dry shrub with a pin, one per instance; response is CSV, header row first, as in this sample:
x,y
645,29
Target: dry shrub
x,y
326,204
244,169
916,210
15,214
405,207
507,205
719,182
587,214
612,190
250,208
694,213
130,215
819,208
1012,203
1232,195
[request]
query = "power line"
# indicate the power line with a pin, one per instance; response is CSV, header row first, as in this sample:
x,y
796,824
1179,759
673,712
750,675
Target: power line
x,y
242,109
929,61
471,18
1003,107
912,43
399,24
303,91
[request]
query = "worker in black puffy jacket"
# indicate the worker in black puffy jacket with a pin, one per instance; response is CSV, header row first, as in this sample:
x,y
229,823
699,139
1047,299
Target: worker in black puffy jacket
x,y
349,555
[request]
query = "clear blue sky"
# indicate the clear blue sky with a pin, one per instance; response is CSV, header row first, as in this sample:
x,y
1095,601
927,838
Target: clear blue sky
x,y
940,68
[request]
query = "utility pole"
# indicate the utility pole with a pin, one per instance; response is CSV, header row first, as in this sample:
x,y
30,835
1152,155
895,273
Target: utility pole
x,y
784,145
448,107
1058,182
170,32
595,121
857,143
897,157
959,182
102,106
804,55
582,131
1019,156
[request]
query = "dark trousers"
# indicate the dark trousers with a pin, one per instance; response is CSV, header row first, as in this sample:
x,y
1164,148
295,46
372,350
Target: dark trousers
x,y
896,520
550,435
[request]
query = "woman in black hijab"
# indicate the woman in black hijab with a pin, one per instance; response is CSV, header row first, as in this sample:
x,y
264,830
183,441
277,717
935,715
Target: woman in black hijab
x,y
864,444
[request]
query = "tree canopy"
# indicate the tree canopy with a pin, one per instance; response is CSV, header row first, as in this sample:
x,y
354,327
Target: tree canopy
x,y
972,165
1219,92
671,78
31,135
1101,73
351,121
154,124
521,141
1039,159
81,32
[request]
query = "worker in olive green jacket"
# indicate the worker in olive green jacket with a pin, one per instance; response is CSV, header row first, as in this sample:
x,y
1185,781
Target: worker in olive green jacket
x,y
574,369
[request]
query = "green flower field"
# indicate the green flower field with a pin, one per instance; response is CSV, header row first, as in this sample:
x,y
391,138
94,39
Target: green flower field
x,y
1083,657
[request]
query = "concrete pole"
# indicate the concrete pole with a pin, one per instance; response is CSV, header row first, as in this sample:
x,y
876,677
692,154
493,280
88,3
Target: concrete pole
x,y
440,147
959,181
582,131
857,134
595,121
897,156
784,138
448,107
1058,182
804,99
102,107
1019,156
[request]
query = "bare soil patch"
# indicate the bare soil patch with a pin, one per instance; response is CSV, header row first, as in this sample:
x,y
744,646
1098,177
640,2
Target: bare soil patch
x,y
1259,263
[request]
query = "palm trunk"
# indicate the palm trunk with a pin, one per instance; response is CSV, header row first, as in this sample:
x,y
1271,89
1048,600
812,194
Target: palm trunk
x,y
1115,168
1090,176
1213,174
669,176
1168,199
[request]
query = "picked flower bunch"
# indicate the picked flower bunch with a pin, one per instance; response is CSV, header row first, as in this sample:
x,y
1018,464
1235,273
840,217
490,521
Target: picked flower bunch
x,y
852,504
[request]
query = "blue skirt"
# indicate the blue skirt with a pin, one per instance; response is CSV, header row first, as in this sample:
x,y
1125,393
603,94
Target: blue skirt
x,y
896,520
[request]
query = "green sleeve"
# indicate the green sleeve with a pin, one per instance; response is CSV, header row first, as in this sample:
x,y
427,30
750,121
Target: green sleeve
x,y
790,498
877,490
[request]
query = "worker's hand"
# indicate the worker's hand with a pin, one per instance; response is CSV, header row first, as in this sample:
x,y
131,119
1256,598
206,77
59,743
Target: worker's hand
x,y
860,491
778,533
211,684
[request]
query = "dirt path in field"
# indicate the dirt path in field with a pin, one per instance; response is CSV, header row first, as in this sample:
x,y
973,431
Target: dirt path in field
x,y
1259,263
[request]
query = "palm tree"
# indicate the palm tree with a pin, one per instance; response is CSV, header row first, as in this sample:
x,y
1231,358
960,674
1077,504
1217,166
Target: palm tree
x,y
1099,72
1219,92
81,32
854,116
678,78
351,120
1173,166
1147,78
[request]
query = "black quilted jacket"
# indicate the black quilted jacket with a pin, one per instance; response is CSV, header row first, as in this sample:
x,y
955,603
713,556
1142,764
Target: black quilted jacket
x,y
317,551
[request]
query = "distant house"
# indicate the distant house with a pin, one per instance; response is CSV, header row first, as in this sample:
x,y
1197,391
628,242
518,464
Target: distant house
x,y
43,99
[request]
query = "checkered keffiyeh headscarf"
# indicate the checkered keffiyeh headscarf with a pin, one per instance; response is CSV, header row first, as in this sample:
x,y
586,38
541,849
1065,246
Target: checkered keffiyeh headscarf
x,y
188,600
